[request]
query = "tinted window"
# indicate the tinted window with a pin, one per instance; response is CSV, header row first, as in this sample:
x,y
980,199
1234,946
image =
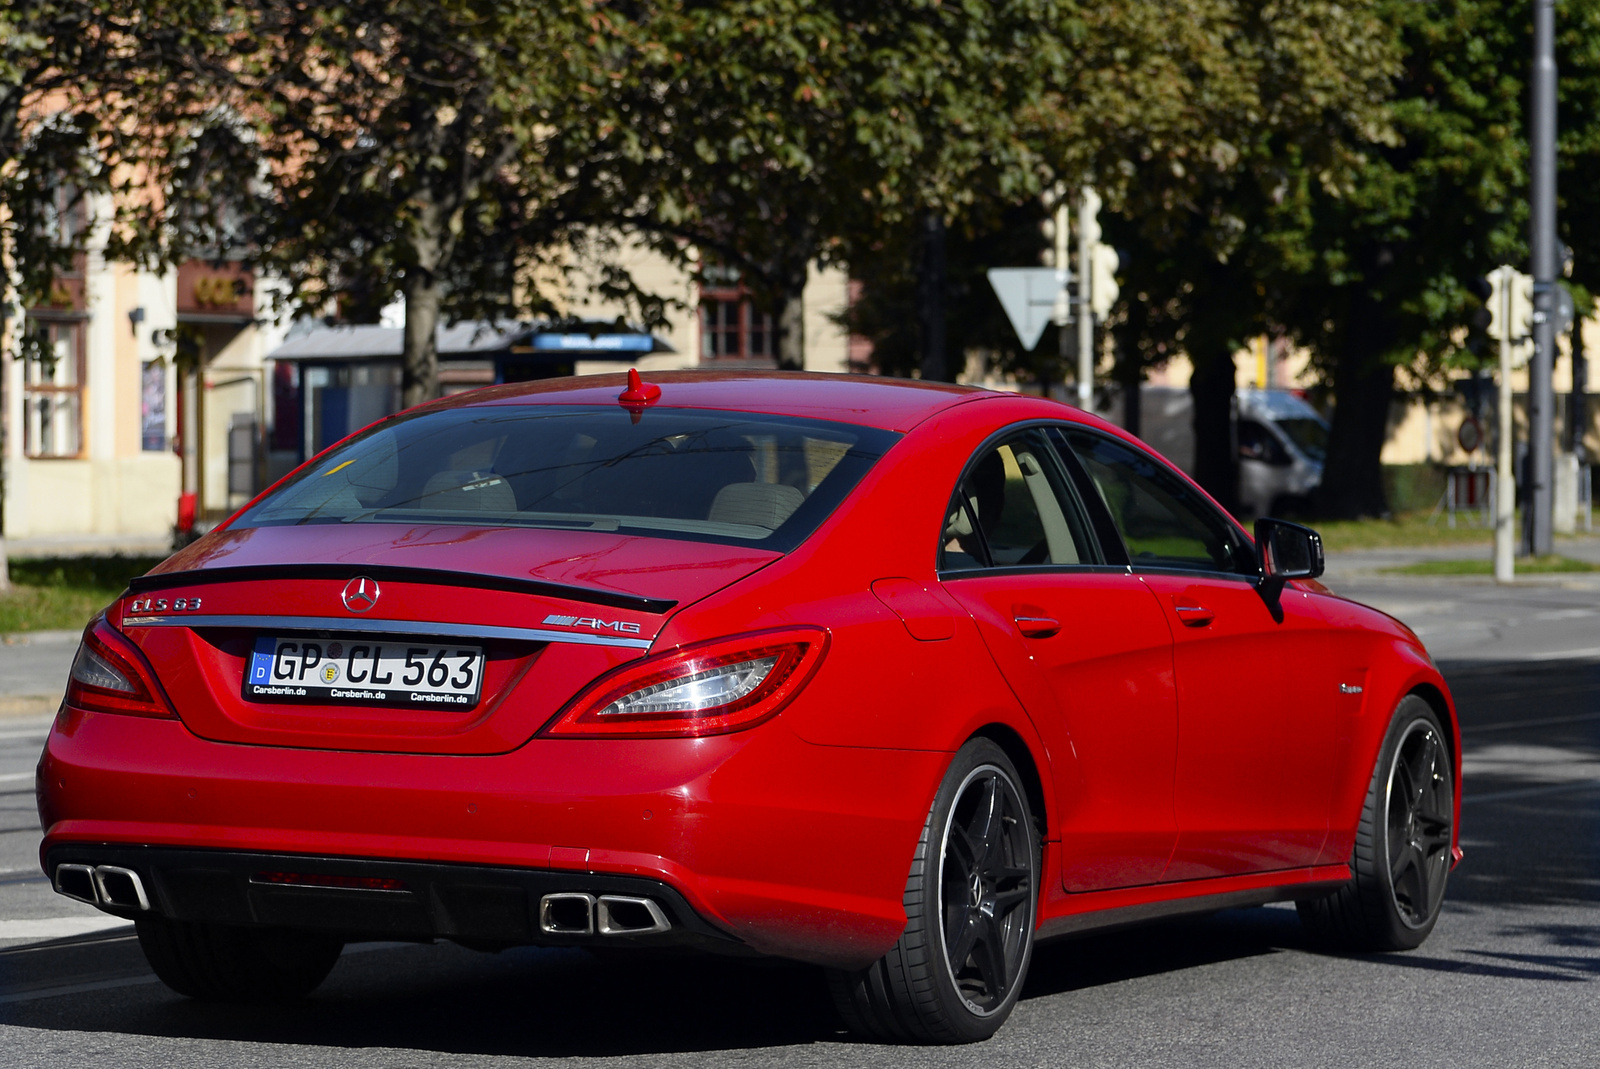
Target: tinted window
x,y
677,473
1310,436
1012,511
1256,442
1163,521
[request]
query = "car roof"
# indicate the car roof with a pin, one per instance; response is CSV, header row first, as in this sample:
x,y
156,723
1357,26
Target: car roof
x,y
867,400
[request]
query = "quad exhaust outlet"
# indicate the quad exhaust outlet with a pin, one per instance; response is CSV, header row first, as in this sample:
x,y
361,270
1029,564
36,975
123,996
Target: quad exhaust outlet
x,y
102,885
577,913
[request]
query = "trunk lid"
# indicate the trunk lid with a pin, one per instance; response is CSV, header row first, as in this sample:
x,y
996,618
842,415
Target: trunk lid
x,y
550,610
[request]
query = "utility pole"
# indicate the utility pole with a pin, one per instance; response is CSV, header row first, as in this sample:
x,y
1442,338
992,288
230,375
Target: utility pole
x,y
1537,523
1088,238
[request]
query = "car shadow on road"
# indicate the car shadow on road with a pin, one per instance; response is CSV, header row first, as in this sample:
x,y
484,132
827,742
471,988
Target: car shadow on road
x,y
1112,957
527,1001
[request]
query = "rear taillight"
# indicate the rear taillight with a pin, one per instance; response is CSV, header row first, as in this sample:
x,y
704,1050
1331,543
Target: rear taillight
x,y
110,676
707,689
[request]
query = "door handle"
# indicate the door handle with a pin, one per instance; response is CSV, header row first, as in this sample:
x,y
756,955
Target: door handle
x,y
1194,615
1036,626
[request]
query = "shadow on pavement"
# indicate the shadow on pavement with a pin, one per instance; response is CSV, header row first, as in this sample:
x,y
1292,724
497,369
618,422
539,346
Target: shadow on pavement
x,y
530,1002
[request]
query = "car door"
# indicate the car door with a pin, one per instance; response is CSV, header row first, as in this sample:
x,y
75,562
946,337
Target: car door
x,y
1255,683
1085,647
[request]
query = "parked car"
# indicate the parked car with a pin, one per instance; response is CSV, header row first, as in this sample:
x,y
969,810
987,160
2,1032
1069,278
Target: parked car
x,y
1283,443
899,679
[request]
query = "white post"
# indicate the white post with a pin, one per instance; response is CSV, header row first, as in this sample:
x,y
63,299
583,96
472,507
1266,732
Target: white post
x,y
1088,225
1505,498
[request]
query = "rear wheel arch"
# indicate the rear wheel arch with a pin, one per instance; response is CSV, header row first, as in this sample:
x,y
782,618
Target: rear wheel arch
x,y
1022,756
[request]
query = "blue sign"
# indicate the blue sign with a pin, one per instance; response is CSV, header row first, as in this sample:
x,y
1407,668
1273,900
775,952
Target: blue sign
x,y
261,659
608,343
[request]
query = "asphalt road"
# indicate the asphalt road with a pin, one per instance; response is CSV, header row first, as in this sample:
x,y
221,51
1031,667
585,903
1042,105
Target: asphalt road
x,y
1502,982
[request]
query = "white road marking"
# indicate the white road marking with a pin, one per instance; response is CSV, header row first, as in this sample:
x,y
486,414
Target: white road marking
x,y
1528,792
16,777
42,732
60,927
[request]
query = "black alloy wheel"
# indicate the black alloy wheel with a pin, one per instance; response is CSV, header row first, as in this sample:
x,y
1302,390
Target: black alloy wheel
x,y
971,906
1417,831
1403,845
985,884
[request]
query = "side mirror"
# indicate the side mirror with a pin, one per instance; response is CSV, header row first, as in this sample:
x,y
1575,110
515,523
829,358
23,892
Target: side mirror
x,y
1288,550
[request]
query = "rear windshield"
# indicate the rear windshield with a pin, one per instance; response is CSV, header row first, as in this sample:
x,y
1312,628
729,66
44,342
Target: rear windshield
x,y
676,473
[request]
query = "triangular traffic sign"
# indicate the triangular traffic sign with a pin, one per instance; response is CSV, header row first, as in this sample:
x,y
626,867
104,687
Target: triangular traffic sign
x,y
1029,295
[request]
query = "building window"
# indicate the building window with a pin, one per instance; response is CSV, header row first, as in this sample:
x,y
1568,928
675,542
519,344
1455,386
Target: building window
x,y
52,388
153,406
732,328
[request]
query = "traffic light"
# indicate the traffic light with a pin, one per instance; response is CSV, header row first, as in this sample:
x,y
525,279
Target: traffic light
x,y
1495,301
1510,304
1521,302
1103,280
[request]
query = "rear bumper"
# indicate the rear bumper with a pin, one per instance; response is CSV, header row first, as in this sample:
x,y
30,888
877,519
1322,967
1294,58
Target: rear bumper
x,y
472,904
791,849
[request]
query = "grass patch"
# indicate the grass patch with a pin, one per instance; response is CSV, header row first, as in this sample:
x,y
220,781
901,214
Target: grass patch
x,y
62,593
1403,530
1525,566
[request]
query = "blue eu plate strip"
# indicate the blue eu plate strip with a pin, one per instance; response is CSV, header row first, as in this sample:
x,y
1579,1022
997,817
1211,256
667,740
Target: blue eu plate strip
x,y
261,659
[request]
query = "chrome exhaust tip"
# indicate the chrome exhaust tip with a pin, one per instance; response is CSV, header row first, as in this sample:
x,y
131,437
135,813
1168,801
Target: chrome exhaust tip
x,y
625,915
117,886
567,913
77,881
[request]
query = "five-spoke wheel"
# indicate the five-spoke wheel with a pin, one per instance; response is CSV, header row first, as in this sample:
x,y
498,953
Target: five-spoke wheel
x,y
1420,805
1403,844
971,904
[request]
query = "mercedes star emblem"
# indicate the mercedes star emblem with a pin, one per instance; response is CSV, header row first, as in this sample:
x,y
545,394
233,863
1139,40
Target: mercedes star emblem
x,y
360,594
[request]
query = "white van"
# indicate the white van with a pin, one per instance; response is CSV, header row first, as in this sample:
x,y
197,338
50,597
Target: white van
x,y
1283,443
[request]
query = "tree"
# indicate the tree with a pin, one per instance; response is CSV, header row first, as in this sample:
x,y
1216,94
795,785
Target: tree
x,y
1265,107
1389,289
772,134
409,146
77,125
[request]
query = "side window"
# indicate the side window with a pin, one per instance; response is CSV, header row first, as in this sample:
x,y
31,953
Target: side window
x,y
1258,443
1012,511
1163,522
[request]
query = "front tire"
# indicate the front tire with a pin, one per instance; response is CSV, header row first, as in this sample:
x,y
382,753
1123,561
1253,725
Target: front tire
x,y
223,963
971,904
1403,845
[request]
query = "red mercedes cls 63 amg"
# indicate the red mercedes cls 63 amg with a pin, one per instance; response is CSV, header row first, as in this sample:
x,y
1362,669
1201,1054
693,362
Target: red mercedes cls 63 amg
x,y
894,678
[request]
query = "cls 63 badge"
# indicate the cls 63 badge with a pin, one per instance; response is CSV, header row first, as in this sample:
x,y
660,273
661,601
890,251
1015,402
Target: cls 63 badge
x,y
144,605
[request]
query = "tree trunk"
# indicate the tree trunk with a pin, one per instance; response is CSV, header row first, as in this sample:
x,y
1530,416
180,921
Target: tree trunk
x,y
792,316
1216,456
934,365
1352,477
419,359
1131,377
5,565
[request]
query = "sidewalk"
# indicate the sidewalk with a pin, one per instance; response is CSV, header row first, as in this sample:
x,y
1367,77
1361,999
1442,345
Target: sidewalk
x,y
1367,564
33,671
90,546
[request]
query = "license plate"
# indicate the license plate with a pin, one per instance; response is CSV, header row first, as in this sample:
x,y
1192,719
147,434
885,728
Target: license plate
x,y
363,671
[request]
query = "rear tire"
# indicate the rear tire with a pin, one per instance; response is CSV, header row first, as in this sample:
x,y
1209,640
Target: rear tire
x,y
222,963
971,904
1403,844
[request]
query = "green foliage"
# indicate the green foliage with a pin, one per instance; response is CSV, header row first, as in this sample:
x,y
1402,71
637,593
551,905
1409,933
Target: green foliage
x,y
62,593
78,124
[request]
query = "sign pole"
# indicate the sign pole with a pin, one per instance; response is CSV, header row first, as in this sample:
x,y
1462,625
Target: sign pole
x,y
1505,492
1088,207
